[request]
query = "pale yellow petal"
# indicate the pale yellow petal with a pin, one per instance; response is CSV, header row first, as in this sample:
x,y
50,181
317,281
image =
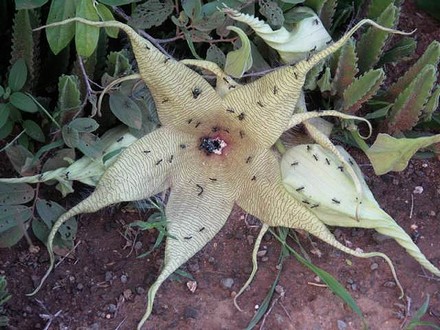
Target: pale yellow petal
x,y
142,170
197,209
179,92
264,196
269,102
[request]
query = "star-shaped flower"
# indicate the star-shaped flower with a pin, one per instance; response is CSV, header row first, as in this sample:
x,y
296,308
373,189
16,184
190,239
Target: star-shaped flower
x,y
213,150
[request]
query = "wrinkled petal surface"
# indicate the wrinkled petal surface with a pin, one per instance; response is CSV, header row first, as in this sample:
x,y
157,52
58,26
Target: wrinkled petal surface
x,y
197,209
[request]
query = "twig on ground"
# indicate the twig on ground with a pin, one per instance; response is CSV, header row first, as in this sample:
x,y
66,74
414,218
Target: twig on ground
x,y
67,254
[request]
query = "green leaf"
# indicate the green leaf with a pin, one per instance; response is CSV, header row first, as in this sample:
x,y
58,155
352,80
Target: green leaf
x,y
23,102
272,12
24,44
430,56
126,110
59,37
382,112
88,145
2,91
59,159
316,5
418,315
12,215
208,23
409,104
346,69
293,2
118,2
377,7
6,129
106,15
392,154
432,7
15,193
70,136
18,156
192,8
240,60
118,64
47,147
151,13
403,49
29,4
9,238
84,125
4,114
362,89
33,130
294,16
49,212
190,43
432,105
86,36
370,46
41,231
327,13
69,96
216,55
324,82
17,75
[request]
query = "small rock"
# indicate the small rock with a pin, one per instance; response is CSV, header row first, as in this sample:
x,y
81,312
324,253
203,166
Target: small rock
x,y
124,278
338,233
44,258
94,326
389,284
279,319
194,266
264,259
211,260
250,239
267,237
396,182
112,308
227,283
342,325
79,286
138,246
418,190
108,276
279,289
190,313
380,238
261,253
140,290
374,266
432,213
357,232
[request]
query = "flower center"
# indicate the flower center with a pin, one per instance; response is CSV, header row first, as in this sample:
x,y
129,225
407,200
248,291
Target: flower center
x,y
212,145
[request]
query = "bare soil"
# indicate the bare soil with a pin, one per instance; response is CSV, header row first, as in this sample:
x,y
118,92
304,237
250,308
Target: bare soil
x,y
103,285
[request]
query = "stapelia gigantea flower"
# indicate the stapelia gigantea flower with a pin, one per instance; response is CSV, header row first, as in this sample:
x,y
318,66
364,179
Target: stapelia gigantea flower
x,y
213,150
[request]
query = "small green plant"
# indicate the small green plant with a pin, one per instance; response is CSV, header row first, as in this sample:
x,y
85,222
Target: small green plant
x,y
4,297
16,104
416,320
